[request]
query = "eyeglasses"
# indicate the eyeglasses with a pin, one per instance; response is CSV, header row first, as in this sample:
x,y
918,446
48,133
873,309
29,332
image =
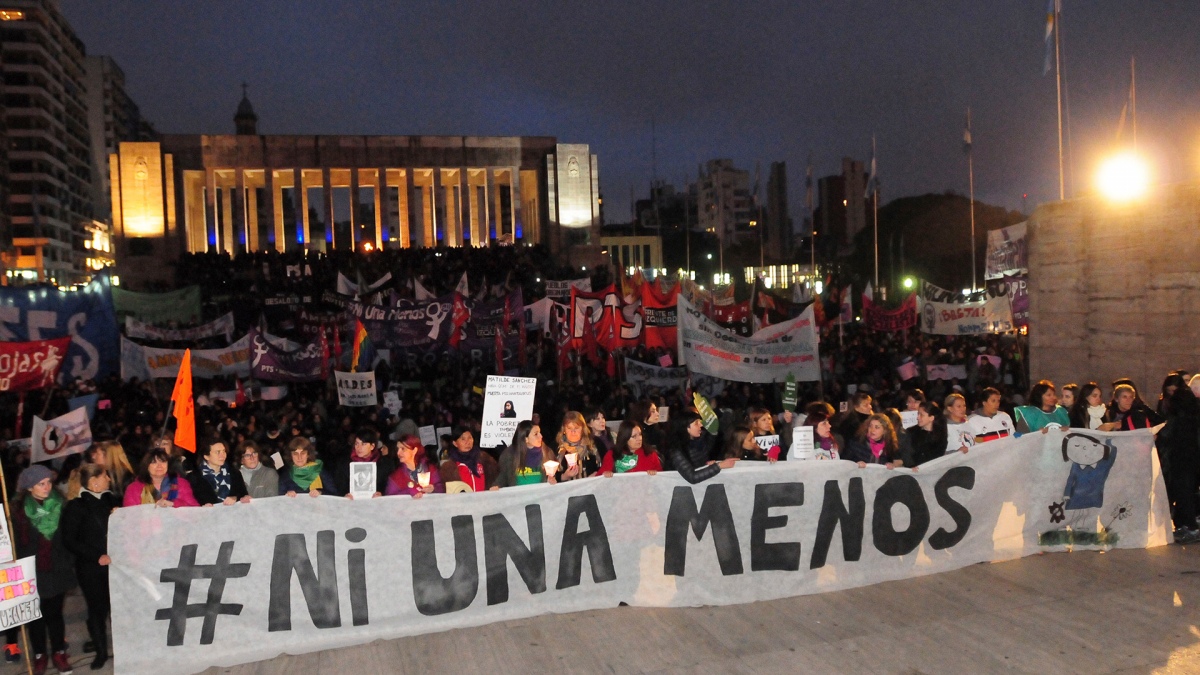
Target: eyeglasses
x,y
250,453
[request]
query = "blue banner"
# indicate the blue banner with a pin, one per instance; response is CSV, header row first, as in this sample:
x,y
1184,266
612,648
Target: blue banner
x,y
86,315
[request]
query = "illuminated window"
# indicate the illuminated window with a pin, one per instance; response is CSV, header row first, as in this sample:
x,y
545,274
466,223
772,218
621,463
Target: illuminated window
x,y
11,15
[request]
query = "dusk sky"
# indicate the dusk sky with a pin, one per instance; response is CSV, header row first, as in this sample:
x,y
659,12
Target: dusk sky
x,y
755,82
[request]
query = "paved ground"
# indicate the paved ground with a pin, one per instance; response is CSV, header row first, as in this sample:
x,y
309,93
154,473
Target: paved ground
x,y
1118,612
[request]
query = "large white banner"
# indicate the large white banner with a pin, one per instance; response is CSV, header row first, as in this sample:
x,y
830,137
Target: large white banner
x,y
767,356
507,401
143,330
241,583
966,318
146,363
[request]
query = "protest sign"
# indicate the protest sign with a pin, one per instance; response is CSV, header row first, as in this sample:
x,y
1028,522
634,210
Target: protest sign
x,y
640,376
6,542
789,393
945,371
562,289
362,479
767,356
1016,287
890,320
356,390
180,306
765,443
907,370
19,600
86,316
64,435
802,443
391,401
908,418
142,330
349,572
428,435
147,363
506,402
966,318
31,365
1006,252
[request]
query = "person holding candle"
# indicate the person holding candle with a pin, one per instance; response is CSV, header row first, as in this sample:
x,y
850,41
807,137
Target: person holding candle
x,y
576,448
415,476
527,461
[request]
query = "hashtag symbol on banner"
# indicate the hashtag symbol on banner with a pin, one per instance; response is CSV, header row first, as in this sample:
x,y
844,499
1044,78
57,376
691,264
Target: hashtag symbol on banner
x,y
183,576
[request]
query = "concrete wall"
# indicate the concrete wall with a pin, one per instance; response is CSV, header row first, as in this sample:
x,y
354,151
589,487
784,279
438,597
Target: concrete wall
x,y
1114,290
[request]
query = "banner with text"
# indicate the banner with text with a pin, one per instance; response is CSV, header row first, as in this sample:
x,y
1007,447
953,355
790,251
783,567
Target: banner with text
x,y
144,331
890,320
68,434
1016,287
356,390
1006,252
507,401
273,363
766,356
181,306
147,363
86,316
966,318
561,290
31,365
235,584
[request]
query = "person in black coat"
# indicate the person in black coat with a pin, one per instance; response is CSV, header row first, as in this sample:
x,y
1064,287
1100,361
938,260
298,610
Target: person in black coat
x,y
928,439
1179,442
85,534
366,448
876,443
215,480
692,454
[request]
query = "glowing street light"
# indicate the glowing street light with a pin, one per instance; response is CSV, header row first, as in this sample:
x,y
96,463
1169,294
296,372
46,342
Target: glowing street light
x,y
909,282
1123,177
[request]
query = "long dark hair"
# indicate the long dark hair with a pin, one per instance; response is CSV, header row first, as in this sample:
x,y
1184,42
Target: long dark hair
x,y
1037,392
939,431
1079,409
623,434
520,442
733,447
815,418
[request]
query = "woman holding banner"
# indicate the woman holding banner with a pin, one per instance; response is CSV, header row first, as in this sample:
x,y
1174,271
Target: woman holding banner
x,y
366,448
215,480
692,453
929,436
875,443
414,476
577,448
466,463
1042,411
261,481
158,484
36,513
958,436
764,433
1089,411
629,455
526,460
826,443
85,534
602,440
305,472
1128,410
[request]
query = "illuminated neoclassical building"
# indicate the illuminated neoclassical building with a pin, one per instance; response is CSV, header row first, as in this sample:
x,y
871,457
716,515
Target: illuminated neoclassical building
x,y
250,192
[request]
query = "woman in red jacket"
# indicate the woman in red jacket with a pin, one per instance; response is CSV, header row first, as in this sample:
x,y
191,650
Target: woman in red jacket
x,y
629,456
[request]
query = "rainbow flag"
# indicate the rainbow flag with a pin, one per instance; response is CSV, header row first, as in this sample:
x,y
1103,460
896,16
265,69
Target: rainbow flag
x,y
362,344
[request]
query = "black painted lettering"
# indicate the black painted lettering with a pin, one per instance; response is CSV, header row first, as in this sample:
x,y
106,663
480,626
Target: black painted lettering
x,y
904,490
783,555
357,559
433,593
500,542
960,477
594,539
320,588
684,516
835,513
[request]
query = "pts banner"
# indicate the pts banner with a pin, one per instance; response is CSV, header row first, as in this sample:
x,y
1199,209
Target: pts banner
x,y
241,583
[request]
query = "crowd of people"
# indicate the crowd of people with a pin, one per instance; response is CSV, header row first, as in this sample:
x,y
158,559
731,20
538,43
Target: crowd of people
x,y
303,444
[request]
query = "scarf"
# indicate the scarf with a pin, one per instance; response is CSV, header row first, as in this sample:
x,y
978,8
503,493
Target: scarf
x,y
1096,415
308,477
94,494
470,459
626,463
373,457
825,444
533,458
248,474
876,448
217,480
45,514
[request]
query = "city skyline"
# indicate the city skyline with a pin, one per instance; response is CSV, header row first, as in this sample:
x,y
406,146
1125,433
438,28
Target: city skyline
x,y
755,84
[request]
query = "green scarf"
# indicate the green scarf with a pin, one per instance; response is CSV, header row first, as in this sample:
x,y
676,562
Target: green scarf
x,y
308,476
45,515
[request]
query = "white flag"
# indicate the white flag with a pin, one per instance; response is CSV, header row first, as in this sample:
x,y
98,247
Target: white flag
x,y
66,435
462,285
420,292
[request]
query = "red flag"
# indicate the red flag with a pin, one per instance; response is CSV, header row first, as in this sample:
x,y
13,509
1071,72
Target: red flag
x,y
183,411
591,348
459,318
324,354
240,398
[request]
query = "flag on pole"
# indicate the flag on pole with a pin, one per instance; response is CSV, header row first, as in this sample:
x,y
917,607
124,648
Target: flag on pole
x,y
183,410
872,178
362,342
462,286
967,134
1052,9
1130,107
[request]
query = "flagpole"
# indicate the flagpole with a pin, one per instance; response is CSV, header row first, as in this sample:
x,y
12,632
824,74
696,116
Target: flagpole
x,y
971,183
875,192
1062,191
1133,98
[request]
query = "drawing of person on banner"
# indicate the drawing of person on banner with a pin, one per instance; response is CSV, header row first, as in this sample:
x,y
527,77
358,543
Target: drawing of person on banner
x,y
1083,495
50,365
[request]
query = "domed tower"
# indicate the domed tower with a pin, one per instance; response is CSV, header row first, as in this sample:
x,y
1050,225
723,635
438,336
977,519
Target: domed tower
x,y
245,120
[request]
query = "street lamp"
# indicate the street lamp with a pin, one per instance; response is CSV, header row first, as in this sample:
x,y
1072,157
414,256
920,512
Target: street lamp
x,y
1123,177
909,282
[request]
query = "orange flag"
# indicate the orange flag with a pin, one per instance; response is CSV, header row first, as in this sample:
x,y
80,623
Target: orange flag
x,y
184,412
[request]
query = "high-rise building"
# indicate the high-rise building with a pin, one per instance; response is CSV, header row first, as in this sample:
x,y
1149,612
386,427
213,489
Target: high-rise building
x,y
725,202
5,226
113,118
49,161
780,239
841,208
